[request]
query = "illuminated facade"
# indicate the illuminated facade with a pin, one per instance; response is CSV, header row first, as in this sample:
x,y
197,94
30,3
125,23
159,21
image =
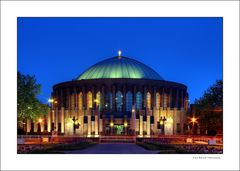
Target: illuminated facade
x,y
118,96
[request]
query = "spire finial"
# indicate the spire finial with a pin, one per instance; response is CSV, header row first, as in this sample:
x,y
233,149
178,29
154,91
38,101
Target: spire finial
x,y
119,54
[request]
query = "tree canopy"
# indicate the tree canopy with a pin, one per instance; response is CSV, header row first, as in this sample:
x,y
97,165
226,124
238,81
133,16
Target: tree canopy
x,y
209,108
28,106
213,97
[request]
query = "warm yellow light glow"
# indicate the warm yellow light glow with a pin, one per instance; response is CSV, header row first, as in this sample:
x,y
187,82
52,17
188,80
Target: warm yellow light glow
x,y
193,119
50,100
68,124
55,102
40,120
161,122
170,120
111,124
125,124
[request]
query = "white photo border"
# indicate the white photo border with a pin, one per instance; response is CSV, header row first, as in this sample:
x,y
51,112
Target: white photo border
x,y
10,10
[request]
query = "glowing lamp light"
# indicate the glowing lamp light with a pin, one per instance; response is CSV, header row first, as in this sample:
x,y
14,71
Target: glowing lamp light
x,y
111,124
193,119
119,53
161,122
50,100
68,124
170,120
133,110
125,124
39,120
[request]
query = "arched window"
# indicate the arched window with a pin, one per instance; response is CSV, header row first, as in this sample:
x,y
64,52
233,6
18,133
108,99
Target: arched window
x,y
128,101
119,103
148,98
89,100
80,101
138,100
108,104
157,100
98,100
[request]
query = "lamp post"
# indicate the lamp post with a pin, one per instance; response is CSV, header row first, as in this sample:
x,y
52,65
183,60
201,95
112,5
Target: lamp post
x,y
125,126
193,120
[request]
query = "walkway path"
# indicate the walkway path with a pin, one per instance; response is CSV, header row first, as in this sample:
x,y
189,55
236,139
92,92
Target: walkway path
x,y
113,149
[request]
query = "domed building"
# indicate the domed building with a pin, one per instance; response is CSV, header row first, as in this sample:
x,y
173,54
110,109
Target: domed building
x,y
118,96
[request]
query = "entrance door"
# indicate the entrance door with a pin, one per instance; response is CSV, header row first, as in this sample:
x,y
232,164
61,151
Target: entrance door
x,y
118,129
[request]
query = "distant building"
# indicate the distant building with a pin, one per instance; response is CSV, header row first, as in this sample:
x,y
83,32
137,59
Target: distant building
x,y
117,96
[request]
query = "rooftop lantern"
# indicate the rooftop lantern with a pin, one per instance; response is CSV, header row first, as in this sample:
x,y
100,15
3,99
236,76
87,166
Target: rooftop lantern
x,y
119,54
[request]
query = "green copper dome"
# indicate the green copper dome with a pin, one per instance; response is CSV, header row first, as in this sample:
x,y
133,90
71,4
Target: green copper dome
x,y
119,67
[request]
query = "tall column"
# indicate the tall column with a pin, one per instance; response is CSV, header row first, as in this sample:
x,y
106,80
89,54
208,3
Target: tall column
x,y
96,125
67,129
89,123
92,124
141,125
49,121
56,119
62,120
80,121
148,124
35,126
53,119
133,119
28,125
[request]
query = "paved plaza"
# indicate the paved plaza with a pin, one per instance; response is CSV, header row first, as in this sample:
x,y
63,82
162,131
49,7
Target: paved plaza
x,y
113,149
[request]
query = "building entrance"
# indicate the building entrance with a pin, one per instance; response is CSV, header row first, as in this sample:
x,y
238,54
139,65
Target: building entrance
x,y
118,129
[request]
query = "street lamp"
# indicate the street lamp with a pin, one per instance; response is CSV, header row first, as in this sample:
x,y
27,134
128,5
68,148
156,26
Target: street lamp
x,y
111,124
193,120
40,120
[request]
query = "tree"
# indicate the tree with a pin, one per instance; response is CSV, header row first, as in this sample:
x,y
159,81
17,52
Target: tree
x,y
28,106
213,97
209,108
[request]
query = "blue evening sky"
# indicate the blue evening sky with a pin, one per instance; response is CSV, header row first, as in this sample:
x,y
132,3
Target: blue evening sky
x,y
184,50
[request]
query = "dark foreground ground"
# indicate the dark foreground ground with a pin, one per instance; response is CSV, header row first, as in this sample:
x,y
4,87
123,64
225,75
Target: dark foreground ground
x,y
114,149
119,148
